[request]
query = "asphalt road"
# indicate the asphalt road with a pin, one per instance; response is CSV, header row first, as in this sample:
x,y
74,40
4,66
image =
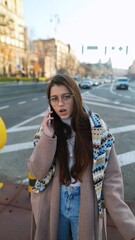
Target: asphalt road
x,y
24,114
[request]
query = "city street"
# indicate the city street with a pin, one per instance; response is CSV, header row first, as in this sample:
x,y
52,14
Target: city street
x,y
24,114
37,42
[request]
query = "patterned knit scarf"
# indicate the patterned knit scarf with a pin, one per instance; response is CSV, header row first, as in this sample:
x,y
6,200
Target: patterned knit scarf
x,y
102,143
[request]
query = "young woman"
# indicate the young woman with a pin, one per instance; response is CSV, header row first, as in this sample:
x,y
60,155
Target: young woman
x,y
77,172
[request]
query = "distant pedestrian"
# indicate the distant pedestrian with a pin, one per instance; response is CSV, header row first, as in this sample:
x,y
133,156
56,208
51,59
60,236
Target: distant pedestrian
x,y
77,172
18,77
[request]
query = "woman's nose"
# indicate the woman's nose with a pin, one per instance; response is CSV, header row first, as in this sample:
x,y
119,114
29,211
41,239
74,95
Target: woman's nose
x,y
60,102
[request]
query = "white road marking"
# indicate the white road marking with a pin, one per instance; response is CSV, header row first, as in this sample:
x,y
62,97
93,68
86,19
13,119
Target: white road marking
x,y
28,120
4,107
25,128
126,158
17,147
120,95
131,90
116,102
91,97
35,127
23,181
123,129
23,102
35,99
110,106
128,97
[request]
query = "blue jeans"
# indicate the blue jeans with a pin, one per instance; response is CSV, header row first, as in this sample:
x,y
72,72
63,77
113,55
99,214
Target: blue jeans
x,y
69,213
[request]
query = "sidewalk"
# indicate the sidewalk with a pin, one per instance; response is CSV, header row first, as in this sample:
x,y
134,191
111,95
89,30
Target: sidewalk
x,y
15,214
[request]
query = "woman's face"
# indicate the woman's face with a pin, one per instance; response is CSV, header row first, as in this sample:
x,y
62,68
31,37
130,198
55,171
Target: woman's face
x,y
62,101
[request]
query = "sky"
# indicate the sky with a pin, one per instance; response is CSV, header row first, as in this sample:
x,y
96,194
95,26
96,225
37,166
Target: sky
x,y
106,24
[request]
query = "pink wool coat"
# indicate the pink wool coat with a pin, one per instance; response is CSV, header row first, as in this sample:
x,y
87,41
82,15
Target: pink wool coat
x,y
45,205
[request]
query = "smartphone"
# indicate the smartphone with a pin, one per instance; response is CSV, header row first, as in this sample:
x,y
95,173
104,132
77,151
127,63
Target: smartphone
x,y
49,122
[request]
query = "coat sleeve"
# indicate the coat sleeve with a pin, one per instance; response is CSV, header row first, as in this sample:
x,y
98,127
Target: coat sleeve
x,y
113,192
42,156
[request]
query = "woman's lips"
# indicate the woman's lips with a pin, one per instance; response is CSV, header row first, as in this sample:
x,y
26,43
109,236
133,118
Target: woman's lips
x,y
62,112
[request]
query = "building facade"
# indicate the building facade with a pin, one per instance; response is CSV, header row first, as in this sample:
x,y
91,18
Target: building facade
x,y
12,37
46,57
55,55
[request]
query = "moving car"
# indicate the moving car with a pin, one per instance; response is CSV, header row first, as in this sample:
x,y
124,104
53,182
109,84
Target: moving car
x,y
122,83
95,82
85,84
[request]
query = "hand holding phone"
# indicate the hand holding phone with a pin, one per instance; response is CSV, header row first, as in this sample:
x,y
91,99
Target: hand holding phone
x,y
47,123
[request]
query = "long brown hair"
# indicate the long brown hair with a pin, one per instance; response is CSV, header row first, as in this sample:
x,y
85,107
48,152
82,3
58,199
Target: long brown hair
x,y
80,125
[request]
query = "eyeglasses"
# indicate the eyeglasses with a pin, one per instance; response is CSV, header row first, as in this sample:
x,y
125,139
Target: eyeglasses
x,y
65,98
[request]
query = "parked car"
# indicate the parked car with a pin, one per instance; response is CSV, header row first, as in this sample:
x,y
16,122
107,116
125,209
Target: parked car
x,y
122,83
85,84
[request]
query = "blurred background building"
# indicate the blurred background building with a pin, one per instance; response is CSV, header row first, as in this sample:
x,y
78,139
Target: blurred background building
x,y
12,37
55,56
41,57
19,54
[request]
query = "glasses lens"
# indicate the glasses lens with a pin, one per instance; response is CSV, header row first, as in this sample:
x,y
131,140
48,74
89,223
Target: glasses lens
x,y
65,99
54,100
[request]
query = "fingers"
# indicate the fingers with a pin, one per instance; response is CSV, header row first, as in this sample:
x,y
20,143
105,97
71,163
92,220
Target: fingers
x,y
47,124
47,118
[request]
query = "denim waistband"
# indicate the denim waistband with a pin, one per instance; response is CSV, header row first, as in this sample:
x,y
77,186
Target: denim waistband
x,y
70,189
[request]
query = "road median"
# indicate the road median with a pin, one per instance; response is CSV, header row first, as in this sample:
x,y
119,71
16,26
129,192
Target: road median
x,y
16,89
